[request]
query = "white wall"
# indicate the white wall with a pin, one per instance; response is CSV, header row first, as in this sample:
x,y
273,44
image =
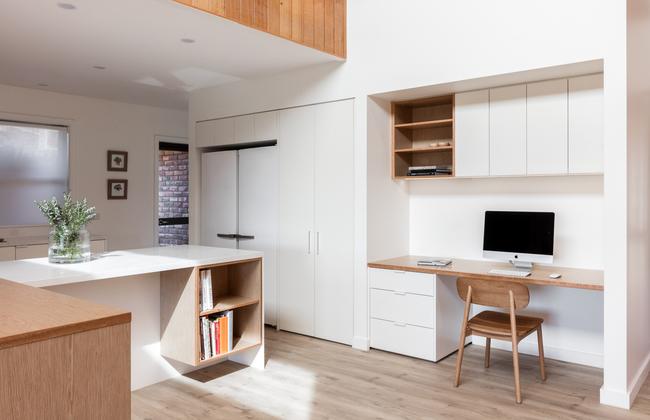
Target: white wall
x,y
95,127
638,200
447,221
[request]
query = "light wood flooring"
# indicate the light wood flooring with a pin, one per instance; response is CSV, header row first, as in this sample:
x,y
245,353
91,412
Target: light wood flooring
x,y
306,378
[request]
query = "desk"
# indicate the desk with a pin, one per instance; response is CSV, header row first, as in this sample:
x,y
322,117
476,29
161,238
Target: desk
x,y
576,278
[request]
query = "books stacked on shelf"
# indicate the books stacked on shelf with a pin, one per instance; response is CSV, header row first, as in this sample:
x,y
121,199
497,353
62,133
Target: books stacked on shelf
x,y
432,170
206,290
216,334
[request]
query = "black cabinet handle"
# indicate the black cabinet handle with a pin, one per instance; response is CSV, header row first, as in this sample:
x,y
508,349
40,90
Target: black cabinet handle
x,y
227,235
245,237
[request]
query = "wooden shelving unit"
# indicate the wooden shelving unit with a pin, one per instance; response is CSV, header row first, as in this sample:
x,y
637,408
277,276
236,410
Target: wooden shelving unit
x,y
236,286
417,128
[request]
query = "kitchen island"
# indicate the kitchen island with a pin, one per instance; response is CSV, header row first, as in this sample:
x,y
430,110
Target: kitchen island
x,y
160,287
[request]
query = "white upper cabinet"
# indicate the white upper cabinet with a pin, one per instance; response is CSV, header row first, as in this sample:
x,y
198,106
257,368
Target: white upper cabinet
x,y
215,132
547,144
508,130
267,126
472,119
586,124
244,129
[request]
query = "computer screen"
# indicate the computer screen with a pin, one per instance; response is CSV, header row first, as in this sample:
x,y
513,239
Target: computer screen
x,y
519,232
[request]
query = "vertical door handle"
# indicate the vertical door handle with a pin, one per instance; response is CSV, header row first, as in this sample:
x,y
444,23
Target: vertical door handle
x,y
309,242
317,243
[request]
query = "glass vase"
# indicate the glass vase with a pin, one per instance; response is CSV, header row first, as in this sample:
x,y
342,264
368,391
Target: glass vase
x,y
68,247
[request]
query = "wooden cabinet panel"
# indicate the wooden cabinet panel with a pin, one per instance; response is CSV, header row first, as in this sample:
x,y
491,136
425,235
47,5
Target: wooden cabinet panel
x,y
274,17
472,119
285,18
586,124
547,128
508,130
308,22
7,253
260,14
320,24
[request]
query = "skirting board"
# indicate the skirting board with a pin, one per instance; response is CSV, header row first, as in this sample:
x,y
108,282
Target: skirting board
x,y
565,355
361,343
623,399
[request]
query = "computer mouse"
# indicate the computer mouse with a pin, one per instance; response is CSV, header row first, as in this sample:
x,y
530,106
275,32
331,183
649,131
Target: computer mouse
x,y
555,275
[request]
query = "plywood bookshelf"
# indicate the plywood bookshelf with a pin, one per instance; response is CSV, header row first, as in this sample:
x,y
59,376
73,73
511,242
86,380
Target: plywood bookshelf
x,y
236,286
422,135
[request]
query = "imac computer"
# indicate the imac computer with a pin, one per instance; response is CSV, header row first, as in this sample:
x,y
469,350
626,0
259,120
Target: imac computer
x,y
520,237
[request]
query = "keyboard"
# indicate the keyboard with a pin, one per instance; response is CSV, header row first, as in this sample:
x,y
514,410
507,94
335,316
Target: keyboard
x,y
513,273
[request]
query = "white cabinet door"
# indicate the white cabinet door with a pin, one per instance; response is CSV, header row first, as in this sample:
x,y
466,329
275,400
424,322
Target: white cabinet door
x,y
215,132
547,128
244,129
471,133
7,253
296,210
267,126
334,220
508,130
24,252
219,198
258,215
586,124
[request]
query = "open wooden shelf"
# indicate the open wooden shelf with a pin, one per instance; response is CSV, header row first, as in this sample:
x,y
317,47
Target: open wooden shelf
x,y
424,149
426,124
226,303
236,286
416,125
239,346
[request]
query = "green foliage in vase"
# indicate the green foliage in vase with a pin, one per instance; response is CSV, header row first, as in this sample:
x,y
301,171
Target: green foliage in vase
x,y
67,220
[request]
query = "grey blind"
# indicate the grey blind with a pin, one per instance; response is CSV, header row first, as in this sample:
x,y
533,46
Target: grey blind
x,y
33,166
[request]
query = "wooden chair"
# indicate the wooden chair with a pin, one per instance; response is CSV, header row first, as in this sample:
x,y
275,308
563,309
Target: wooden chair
x,y
498,325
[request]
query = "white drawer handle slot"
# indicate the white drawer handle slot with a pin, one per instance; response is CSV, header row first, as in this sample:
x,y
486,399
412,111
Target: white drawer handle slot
x,y
399,324
399,272
400,293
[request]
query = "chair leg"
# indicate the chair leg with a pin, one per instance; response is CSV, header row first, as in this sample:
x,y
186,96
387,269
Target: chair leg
x,y
515,364
540,345
488,341
459,358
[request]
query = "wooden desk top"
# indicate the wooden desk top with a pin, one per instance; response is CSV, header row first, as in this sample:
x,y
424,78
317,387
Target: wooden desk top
x,y
576,278
29,314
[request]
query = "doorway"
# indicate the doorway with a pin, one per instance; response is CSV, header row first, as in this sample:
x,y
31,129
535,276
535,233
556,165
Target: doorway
x,y
173,193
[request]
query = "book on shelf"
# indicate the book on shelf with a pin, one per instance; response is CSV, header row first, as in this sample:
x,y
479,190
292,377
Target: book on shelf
x,y
216,334
206,290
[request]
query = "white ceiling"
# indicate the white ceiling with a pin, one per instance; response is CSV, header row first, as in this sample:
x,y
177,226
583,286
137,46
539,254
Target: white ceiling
x,y
139,43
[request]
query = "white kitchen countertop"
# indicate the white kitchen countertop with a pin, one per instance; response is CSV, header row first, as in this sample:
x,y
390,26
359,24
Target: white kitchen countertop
x,y
39,272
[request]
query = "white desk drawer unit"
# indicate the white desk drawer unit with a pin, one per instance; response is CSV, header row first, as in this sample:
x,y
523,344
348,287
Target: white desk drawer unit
x,y
407,315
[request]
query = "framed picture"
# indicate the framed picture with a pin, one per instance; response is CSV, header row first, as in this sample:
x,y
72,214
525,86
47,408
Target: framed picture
x,y
118,189
117,161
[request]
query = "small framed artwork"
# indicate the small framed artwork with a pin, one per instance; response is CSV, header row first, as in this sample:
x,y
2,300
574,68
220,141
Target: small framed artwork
x,y
117,161
118,189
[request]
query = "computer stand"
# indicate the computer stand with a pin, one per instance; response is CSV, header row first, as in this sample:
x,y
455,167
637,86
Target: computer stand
x,y
522,265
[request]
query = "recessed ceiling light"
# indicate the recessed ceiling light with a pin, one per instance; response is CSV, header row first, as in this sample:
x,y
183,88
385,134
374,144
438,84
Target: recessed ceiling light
x,y
66,6
100,67
188,40
43,84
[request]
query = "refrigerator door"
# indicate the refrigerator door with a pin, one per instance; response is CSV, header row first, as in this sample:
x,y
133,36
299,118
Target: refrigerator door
x,y
219,199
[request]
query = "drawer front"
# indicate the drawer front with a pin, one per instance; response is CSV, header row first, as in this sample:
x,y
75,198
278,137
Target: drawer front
x,y
402,307
402,281
31,251
402,338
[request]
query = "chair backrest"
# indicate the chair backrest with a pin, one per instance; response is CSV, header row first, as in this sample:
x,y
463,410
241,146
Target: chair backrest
x,y
494,293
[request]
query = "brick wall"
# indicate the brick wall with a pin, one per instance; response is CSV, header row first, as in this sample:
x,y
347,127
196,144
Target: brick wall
x,y
173,195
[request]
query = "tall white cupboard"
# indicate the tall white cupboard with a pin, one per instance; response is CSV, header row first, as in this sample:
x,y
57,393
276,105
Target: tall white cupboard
x,y
316,247
315,202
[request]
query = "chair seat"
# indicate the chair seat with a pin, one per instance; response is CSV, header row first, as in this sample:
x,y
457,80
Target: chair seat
x,y
497,324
